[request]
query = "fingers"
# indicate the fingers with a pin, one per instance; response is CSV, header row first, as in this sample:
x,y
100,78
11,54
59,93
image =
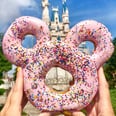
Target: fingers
x,y
16,99
15,96
24,101
102,79
45,114
7,102
17,93
104,94
103,86
91,109
78,114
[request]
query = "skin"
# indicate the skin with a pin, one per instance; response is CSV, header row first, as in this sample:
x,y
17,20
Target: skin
x,y
101,105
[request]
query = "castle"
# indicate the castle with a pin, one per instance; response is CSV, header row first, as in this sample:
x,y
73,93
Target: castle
x,y
59,26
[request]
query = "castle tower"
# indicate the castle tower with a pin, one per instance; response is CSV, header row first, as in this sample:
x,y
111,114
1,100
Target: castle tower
x,y
55,15
65,16
59,28
45,12
56,26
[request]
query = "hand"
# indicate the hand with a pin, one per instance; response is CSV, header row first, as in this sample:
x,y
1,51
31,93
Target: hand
x,y
16,99
101,105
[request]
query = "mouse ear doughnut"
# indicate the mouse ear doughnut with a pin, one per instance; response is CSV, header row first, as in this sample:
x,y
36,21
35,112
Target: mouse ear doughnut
x,y
12,41
91,30
37,61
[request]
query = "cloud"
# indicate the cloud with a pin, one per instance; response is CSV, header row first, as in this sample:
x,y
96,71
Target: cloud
x,y
10,9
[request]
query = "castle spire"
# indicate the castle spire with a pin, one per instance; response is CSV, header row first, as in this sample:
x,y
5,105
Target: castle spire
x,y
65,16
45,13
55,15
65,9
63,1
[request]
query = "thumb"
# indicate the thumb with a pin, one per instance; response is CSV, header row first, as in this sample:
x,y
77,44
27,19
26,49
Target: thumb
x,y
103,86
104,94
17,93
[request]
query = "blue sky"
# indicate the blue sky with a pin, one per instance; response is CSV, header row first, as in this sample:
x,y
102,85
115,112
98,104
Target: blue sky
x,y
100,10
103,11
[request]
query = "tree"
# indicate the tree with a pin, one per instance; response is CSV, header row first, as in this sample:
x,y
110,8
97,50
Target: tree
x,y
5,65
110,68
1,36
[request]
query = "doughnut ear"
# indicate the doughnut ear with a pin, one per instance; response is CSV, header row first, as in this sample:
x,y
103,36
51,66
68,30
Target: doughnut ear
x,y
90,30
12,41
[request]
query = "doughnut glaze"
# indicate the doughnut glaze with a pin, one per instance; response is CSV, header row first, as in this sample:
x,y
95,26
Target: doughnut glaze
x,y
37,61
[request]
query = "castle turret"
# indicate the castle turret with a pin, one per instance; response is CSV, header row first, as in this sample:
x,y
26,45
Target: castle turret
x,y
65,16
45,13
55,15
55,24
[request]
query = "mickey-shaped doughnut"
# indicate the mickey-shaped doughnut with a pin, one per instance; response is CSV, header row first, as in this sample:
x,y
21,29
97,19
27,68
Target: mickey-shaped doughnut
x,y
37,61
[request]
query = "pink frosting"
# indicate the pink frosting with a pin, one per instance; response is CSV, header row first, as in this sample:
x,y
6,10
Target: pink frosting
x,y
37,61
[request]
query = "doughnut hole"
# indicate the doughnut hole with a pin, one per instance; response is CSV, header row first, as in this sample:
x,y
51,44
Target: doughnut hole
x,y
59,80
29,41
87,47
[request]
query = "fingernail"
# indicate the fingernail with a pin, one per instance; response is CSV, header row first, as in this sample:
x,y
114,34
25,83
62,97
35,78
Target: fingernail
x,y
67,113
18,69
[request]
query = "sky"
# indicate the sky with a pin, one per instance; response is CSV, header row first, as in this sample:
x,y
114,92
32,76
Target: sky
x,y
103,11
100,10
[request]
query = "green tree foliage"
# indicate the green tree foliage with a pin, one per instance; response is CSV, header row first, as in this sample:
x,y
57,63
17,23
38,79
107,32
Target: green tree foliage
x,y
1,82
110,68
2,91
1,36
5,65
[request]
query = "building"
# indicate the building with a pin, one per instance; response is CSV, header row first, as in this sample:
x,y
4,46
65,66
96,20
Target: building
x,y
59,25
8,78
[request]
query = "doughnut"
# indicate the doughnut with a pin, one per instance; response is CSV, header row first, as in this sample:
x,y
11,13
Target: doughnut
x,y
37,61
